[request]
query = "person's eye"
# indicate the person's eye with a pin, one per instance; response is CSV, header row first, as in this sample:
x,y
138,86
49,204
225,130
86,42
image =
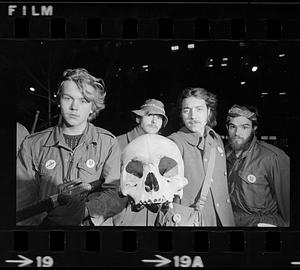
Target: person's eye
x,y
66,98
83,100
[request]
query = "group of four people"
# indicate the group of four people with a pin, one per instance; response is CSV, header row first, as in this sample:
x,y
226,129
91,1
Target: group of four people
x,y
249,183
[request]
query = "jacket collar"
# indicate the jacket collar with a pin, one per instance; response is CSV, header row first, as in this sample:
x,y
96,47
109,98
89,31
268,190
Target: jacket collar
x,y
56,136
196,139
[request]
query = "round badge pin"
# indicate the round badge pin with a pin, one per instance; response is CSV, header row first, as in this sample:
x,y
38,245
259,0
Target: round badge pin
x,y
90,163
251,178
221,151
176,218
50,164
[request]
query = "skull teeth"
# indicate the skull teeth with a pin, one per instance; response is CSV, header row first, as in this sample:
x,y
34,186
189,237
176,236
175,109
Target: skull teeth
x,y
154,201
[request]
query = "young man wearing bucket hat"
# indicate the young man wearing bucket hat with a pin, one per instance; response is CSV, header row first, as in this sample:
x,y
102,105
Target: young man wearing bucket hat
x,y
150,118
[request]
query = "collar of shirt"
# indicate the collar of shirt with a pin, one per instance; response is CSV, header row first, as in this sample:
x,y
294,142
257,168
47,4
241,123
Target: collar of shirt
x,y
56,137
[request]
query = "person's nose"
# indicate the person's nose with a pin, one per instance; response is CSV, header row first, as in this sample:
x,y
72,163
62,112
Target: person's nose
x,y
154,118
192,114
74,105
238,132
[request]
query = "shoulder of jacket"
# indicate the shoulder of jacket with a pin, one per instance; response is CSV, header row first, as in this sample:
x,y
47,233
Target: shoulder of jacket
x,y
102,131
272,149
40,134
213,134
176,136
216,137
121,136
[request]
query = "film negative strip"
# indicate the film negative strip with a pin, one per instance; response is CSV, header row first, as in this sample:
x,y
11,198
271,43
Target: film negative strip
x,y
247,52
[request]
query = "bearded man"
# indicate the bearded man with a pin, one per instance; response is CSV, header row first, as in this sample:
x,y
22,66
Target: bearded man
x,y
258,173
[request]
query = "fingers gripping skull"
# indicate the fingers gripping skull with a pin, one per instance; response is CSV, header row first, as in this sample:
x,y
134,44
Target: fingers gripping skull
x,y
152,170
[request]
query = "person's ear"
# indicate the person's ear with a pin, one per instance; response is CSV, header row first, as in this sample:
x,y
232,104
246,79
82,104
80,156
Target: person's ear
x,y
137,120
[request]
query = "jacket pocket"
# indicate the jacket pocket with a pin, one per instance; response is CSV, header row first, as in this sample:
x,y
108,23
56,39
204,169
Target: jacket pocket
x,y
253,190
48,167
86,170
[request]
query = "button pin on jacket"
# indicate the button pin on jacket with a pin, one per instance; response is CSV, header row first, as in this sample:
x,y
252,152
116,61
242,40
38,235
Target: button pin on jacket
x,y
50,164
251,178
221,151
176,218
90,163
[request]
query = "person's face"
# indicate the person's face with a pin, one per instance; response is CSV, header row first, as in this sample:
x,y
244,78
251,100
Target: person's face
x,y
75,109
240,132
194,114
151,123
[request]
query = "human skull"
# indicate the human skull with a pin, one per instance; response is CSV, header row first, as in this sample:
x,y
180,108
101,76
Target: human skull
x,y
152,170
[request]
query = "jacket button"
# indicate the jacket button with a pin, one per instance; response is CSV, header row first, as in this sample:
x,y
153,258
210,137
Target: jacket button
x,y
225,173
205,159
228,200
217,204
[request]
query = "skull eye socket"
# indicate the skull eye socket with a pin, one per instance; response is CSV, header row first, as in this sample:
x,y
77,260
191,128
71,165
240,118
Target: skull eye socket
x,y
168,167
135,167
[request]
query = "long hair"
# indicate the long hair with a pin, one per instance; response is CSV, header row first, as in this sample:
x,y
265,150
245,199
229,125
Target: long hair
x,y
81,78
201,93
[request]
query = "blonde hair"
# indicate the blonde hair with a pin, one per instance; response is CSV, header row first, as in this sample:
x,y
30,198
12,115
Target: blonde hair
x,y
81,78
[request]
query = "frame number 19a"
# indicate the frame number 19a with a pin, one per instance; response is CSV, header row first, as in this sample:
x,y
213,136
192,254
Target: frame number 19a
x,y
187,261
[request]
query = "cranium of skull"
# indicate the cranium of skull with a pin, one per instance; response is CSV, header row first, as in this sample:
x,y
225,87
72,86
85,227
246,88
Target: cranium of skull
x,y
152,170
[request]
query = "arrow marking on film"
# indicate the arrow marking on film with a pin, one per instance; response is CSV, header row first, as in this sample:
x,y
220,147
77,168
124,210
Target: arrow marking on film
x,y
162,261
25,261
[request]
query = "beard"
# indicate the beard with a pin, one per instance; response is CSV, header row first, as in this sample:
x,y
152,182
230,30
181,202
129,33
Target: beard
x,y
237,143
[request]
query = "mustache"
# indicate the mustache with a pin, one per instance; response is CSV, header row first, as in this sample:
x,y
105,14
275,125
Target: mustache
x,y
237,137
153,126
194,122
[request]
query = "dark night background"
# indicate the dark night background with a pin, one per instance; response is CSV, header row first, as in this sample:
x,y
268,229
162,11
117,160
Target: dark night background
x,y
39,64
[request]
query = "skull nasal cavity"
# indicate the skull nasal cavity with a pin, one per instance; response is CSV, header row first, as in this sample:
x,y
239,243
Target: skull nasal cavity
x,y
151,183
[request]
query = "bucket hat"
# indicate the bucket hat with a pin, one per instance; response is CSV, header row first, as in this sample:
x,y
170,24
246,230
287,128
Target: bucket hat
x,y
152,106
